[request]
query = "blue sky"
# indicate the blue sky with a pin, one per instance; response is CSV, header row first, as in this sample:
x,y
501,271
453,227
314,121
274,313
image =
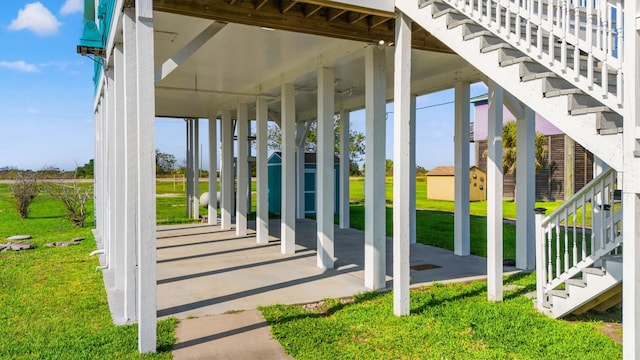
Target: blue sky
x,y
46,91
46,96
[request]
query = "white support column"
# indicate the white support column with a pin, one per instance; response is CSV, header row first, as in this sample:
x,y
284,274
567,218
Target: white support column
x,y
104,173
212,209
226,185
402,161
189,167
631,269
262,211
494,193
375,264
100,177
288,204
412,170
526,191
300,185
461,178
111,164
147,181
631,185
242,167
97,163
131,168
195,202
325,177
345,169
120,162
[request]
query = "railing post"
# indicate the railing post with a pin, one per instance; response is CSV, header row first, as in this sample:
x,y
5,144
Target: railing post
x,y
540,263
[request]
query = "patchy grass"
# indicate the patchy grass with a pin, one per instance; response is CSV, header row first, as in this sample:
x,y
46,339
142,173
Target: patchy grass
x,y
435,228
453,321
53,303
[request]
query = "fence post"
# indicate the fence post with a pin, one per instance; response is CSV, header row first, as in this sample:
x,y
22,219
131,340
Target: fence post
x,y
540,263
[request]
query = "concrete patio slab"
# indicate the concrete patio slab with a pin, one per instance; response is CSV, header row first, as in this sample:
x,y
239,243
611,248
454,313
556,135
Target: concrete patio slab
x,y
203,270
243,335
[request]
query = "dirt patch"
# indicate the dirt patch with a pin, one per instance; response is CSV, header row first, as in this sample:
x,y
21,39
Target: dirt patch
x,y
609,322
612,330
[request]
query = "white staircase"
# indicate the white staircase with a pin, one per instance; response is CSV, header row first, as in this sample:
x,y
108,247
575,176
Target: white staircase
x,y
541,60
561,58
577,249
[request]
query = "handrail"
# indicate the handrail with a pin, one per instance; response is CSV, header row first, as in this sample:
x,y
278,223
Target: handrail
x,y
581,41
565,248
586,189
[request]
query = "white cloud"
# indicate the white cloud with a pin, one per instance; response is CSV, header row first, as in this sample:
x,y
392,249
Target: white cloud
x,y
71,6
19,66
37,18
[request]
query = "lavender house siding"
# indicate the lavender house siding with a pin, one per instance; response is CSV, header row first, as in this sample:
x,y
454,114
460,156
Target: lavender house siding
x,y
481,113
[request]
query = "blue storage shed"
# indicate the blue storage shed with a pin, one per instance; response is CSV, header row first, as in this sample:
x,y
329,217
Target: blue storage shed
x,y
274,188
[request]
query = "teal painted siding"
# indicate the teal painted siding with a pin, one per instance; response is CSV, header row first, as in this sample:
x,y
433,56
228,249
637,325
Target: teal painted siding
x,y
275,186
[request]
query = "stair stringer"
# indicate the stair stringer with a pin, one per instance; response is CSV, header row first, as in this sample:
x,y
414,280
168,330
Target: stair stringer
x,y
578,296
581,128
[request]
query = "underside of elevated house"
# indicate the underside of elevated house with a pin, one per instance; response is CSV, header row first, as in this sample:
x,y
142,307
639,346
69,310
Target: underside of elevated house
x,y
293,62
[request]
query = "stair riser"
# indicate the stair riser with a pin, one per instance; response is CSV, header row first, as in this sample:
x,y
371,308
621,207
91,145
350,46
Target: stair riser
x,y
530,71
608,123
581,104
578,296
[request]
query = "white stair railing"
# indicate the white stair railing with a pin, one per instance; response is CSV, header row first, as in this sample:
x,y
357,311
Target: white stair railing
x,y
580,40
577,234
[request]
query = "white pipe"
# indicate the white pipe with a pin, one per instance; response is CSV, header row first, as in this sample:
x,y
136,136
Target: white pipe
x,y
96,252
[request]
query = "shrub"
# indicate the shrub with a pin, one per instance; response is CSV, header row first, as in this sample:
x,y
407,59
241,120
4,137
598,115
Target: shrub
x,y
73,196
25,189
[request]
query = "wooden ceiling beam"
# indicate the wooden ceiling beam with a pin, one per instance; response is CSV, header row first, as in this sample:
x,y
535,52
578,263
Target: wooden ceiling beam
x,y
310,10
334,14
260,3
377,21
269,15
286,5
354,17
349,7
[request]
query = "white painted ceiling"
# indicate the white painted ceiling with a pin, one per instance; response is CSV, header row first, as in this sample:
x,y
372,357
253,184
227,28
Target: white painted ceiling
x,y
242,62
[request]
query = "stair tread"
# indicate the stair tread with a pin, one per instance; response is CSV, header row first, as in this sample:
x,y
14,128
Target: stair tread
x,y
576,282
438,12
593,270
559,293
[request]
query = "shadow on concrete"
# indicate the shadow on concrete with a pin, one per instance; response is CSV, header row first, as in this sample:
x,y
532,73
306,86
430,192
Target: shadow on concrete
x,y
233,268
215,253
255,291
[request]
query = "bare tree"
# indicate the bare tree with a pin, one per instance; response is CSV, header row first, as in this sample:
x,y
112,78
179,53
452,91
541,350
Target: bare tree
x,y
73,196
24,189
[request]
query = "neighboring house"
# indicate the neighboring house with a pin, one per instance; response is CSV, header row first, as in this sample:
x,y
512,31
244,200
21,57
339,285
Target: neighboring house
x,y
441,184
565,159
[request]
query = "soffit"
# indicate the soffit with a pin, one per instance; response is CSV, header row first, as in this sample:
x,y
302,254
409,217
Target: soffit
x,y
241,62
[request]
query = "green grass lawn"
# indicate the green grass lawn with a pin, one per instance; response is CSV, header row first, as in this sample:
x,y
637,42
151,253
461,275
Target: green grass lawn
x,y
453,321
356,192
434,218
53,303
